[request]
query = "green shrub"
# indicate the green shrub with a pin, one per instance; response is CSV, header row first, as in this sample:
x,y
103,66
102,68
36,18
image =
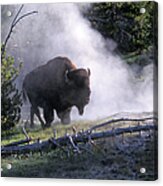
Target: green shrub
x,y
10,95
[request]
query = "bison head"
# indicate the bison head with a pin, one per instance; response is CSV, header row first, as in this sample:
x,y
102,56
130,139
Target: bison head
x,y
78,88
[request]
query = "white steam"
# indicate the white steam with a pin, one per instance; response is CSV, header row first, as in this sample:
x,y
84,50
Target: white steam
x,y
61,30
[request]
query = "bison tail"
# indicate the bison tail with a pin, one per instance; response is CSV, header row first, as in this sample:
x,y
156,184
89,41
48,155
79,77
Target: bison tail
x,y
24,95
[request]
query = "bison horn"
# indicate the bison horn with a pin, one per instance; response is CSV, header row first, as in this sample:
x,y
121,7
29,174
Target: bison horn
x,y
88,71
67,75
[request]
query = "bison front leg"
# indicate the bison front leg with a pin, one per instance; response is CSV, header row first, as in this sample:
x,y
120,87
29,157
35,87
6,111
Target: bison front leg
x,y
35,110
65,116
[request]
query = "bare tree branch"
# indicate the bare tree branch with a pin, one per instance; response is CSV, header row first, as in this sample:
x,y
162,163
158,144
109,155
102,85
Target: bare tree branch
x,y
25,133
25,15
119,120
14,23
76,148
16,16
74,139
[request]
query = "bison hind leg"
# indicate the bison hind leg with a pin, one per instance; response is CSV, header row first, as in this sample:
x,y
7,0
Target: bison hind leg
x,y
32,117
48,115
35,110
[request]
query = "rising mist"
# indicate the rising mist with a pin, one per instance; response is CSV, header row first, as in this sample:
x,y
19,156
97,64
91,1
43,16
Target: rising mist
x,y
61,30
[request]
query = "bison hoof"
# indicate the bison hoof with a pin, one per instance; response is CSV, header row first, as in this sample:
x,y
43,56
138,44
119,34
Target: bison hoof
x,y
32,126
46,126
65,121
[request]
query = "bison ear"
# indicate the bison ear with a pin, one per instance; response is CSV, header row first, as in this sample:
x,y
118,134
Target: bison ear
x,y
88,71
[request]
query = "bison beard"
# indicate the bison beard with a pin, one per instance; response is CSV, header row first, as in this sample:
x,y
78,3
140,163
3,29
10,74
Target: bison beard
x,y
56,85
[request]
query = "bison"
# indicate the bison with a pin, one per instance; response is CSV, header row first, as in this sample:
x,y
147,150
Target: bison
x,y
58,85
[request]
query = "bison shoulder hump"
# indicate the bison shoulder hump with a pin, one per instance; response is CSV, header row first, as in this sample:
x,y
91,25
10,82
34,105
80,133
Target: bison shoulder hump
x,y
62,61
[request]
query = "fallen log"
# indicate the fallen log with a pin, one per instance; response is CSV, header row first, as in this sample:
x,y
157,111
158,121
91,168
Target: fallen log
x,y
78,138
18,142
27,140
122,119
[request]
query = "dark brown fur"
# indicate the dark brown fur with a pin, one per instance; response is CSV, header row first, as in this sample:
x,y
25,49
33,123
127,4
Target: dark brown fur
x,y
57,85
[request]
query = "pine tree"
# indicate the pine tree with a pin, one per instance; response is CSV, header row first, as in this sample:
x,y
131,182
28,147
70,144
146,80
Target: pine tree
x,y
10,96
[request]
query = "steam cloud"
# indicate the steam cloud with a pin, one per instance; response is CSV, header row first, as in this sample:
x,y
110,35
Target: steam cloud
x,y
61,30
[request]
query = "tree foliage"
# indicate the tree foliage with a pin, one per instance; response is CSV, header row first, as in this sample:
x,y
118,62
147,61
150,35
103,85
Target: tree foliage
x,y
133,31
10,95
